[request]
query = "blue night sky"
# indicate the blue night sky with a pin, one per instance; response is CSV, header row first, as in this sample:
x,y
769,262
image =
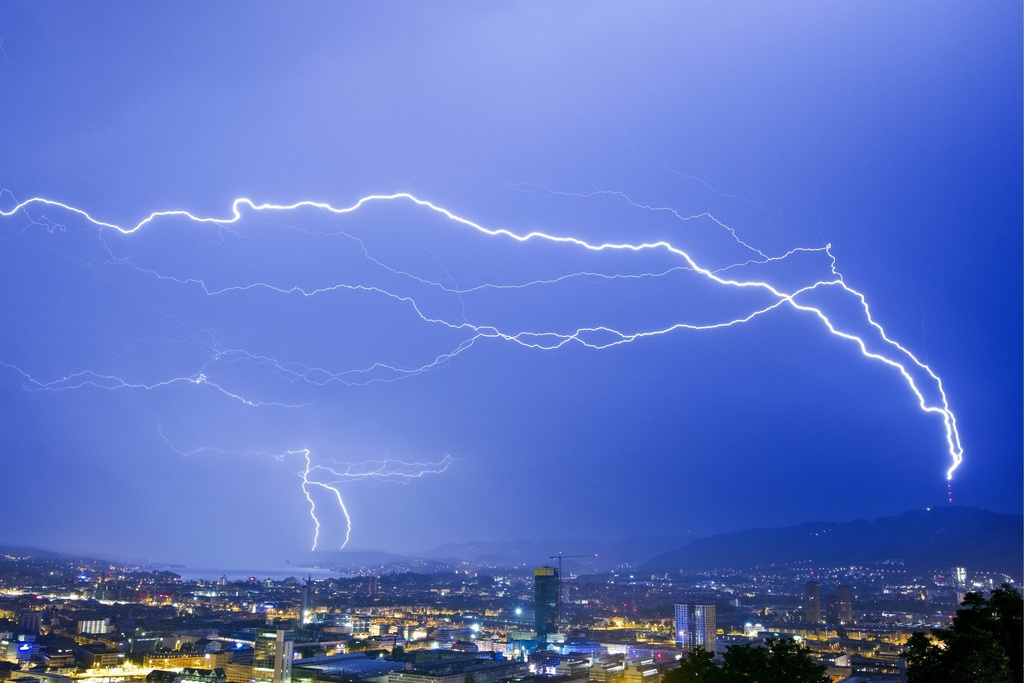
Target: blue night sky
x,y
165,392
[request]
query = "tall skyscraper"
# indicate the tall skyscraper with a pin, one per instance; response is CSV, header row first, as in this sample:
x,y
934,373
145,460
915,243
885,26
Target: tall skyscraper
x,y
845,596
272,656
812,602
546,587
696,627
304,606
832,611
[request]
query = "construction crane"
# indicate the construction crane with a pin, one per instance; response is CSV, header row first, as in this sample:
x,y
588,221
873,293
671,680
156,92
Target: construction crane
x,y
559,557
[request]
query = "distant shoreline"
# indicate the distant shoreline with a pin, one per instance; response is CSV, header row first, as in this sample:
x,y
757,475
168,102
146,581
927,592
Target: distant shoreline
x,y
241,574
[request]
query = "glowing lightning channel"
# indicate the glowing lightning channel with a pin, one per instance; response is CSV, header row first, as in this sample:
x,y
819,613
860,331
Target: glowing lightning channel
x,y
898,357
306,483
371,469
386,470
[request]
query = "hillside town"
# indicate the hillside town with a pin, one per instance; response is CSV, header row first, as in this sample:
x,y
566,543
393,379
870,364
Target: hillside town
x,y
67,619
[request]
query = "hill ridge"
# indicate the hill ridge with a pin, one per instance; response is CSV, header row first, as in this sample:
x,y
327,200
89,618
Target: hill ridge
x,y
922,539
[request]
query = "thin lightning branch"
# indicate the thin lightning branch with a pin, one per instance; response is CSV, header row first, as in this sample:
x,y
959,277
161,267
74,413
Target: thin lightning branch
x,y
893,355
783,257
704,215
386,470
371,469
88,378
306,483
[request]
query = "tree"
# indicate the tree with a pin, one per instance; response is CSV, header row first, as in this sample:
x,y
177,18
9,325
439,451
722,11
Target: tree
x,y
1008,613
698,666
355,645
778,661
982,645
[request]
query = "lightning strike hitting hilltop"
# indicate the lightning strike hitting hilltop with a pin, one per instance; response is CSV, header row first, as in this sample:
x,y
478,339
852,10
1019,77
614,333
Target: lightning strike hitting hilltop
x,y
866,335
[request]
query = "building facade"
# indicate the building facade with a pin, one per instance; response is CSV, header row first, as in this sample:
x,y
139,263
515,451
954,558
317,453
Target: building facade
x,y
812,602
844,595
696,627
272,656
546,587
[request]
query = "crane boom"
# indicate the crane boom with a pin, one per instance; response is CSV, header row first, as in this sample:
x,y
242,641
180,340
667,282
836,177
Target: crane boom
x,y
558,607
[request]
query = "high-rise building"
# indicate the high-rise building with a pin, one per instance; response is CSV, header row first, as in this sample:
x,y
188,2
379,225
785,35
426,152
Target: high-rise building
x,y
696,627
272,656
839,608
959,575
546,587
812,602
304,604
845,596
832,611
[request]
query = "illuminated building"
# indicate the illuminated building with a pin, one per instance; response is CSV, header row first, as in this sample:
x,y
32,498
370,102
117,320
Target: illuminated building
x,y
696,627
93,626
641,671
237,672
608,669
202,676
549,663
19,650
844,599
839,608
272,656
459,670
812,602
304,606
352,666
182,660
60,652
98,656
546,586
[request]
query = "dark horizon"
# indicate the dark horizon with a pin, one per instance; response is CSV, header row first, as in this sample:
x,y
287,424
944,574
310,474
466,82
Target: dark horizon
x,y
592,556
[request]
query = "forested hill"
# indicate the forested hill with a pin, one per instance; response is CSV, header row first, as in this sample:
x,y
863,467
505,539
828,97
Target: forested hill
x,y
922,539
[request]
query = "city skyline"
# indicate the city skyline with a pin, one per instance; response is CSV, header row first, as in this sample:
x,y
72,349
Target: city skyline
x,y
422,337
84,620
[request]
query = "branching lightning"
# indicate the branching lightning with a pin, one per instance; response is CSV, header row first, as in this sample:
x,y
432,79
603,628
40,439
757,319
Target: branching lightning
x,y
328,476
867,336
386,469
88,378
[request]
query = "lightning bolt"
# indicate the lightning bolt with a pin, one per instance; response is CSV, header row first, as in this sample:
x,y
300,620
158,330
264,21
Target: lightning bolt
x,y
873,343
386,470
306,484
